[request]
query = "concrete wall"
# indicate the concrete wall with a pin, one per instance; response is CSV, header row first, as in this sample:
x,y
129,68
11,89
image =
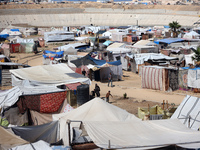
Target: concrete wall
x,y
103,16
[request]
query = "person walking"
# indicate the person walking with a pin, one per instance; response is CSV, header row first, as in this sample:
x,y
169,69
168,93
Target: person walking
x,y
110,79
107,96
97,90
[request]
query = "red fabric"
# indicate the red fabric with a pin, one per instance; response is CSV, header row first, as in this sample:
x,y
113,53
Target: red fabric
x,y
78,70
31,102
15,48
73,86
51,102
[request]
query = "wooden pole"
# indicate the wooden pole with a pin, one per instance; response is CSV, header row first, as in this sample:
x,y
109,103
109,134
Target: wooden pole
x,y
167,104
163,104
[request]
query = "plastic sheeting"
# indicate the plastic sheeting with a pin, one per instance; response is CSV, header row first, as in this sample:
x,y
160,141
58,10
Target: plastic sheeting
x,y
40,145
46,132
56,74
9,97
189,108
141,134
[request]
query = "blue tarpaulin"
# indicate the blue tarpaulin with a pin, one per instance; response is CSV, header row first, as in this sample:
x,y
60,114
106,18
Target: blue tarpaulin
x,y
97,61
4,36
14,30
166,26
107,43
169,40
56,54
115,63
196,68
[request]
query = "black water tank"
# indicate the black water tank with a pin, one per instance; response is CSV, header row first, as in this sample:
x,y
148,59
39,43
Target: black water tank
x,y
82,94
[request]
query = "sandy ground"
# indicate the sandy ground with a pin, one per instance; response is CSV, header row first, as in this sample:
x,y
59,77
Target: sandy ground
x,y
130,84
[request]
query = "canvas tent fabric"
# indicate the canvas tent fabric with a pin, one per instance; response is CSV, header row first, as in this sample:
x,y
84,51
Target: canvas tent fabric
x,y
141,134
94,110
152,78
189,108
56,74
9,97
40,145
46,132
9,140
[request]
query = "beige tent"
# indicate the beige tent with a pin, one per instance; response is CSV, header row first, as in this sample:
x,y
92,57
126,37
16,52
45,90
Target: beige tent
x,y
9,140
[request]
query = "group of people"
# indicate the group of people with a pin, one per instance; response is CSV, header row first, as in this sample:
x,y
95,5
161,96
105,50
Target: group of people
x,y
96,92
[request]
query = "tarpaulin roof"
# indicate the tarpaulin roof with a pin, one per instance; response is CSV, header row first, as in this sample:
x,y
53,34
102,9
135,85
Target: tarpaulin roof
x,y
169,40
56,74
141,134
189,108
115,63
88,60
9,140
107,43
4,36
48,54
14,29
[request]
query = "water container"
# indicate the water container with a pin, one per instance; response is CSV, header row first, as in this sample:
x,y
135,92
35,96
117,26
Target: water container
x,y
82,94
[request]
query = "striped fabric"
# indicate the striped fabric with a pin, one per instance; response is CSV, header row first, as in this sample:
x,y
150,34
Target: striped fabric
x,y
152,78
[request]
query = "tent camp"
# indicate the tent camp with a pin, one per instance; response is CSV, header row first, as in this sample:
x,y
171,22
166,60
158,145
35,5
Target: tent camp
x,y
188,112
115,128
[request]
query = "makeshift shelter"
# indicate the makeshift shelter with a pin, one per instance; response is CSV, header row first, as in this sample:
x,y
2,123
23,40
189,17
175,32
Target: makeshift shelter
x,y
9,140
152,59
57,74
92,111
118,36
191,35
188,112
159,78
96,124
99,70
58,36
136,49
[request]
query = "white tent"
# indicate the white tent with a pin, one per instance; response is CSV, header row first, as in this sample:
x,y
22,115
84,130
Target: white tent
x,y
111,127
191,35
94,110
56,74
189,108
141,134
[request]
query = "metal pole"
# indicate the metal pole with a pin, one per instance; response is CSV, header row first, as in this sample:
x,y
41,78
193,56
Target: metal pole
x,y
69,132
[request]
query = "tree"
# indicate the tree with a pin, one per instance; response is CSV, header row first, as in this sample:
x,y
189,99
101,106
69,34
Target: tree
x,y
174,25
196,56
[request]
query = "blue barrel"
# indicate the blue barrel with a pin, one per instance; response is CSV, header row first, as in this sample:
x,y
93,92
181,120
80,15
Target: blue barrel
x,y
83,95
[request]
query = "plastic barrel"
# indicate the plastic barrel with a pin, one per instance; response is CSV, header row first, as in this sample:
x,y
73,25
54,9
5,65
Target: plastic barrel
x,y
82,94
